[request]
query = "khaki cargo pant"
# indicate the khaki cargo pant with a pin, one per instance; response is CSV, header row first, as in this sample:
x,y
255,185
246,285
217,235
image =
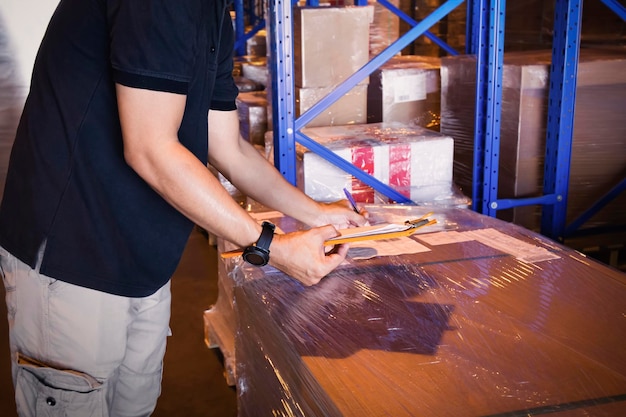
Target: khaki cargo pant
x,y
80,352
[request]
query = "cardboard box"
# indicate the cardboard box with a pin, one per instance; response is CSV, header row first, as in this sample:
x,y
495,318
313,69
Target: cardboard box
x,y
406,89
599,141
330,44
255,69
252,109
351,108
257,44
414,161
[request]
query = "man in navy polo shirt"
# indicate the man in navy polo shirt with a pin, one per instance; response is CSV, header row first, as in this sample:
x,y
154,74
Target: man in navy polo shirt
x,y
107,178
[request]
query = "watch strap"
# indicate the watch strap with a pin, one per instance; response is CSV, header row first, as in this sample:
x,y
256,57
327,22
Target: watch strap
x,y
267,234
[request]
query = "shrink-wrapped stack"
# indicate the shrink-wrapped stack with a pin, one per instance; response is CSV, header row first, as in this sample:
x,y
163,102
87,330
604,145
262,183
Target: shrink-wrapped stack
x,y
488,319
598,160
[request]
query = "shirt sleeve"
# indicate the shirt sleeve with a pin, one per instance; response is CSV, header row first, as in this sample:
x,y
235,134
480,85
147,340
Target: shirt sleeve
x,y
153,42
225,91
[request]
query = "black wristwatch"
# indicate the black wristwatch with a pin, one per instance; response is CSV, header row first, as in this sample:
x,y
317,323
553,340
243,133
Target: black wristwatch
x,y
259,253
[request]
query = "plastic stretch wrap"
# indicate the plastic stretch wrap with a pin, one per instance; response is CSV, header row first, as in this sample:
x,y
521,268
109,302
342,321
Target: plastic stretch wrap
x,y
330,44
351,108
252,109
220,321
415,161
406,89
488,319
599,143
385,28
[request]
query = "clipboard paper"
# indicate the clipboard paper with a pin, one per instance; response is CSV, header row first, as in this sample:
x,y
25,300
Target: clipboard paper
x,y
359,234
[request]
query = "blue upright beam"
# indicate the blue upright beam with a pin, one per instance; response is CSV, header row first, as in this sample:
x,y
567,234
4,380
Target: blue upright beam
x,y
561,103
489,68
240,46
281,66
473,26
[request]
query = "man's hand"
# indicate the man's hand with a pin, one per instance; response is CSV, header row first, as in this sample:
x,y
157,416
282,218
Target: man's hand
x,y
341,215
302,255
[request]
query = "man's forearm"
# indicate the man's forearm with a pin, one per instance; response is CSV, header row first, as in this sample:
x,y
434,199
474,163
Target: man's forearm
x,y
251,173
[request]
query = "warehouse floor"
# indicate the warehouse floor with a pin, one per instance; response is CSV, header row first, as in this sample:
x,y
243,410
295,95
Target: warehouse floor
x,y
193,381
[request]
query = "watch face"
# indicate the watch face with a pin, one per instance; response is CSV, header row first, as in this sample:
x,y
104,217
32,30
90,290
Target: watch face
x,y
259,254
256,256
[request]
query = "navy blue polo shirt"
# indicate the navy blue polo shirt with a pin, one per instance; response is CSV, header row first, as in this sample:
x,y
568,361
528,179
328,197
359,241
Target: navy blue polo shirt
x,y
68,183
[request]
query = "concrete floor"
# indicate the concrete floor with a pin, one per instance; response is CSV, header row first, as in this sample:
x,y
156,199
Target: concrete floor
x,y
193,381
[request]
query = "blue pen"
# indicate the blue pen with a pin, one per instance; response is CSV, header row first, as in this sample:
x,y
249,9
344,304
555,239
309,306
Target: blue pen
x,y
351,200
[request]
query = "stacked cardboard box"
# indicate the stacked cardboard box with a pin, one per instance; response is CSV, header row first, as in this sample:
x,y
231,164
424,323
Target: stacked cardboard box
x,y
351,108
331,44
415,161
599,142
255,69
257,44
252,108
406,89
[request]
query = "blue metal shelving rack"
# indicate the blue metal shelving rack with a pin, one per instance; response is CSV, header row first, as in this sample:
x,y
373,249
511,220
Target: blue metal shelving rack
x,y
485,39
246,14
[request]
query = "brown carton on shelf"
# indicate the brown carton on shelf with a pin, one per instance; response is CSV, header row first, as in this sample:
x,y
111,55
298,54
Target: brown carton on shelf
x,y
255,69
257,44
330,44
488,318
351,108
599,142
414,161
252,108
406,89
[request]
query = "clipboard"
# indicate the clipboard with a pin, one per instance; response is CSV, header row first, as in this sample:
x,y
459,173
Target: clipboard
x,y
360,234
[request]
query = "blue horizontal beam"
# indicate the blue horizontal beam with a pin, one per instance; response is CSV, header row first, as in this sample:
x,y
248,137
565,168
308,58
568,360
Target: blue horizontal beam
x,y
616,7
589,213
443,45
242,39
507,203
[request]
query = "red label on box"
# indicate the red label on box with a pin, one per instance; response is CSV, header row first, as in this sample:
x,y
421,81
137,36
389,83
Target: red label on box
x,y
400,168
363,158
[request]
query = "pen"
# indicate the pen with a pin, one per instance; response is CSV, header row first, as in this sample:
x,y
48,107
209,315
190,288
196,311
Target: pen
x,y
351,200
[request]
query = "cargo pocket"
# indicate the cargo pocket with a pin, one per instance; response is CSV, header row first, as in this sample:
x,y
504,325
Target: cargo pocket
x,y
45,391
